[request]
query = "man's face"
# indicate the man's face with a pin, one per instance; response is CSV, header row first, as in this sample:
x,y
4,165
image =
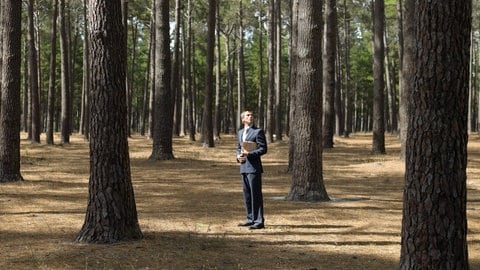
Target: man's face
x,y
248,118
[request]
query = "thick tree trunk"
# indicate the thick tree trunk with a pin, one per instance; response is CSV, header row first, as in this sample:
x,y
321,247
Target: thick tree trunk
x,y
434,226
307,175
111,213
10,92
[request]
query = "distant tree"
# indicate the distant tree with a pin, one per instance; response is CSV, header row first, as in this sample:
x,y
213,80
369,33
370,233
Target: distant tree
x,y
407,69
65,75
218,75
378,145
111,212
84,111
271,72
307,173
163,102
33,75
175,83
434,225
292,84
52,76
207,126
278,71
188,73
346,129
10,91
329,83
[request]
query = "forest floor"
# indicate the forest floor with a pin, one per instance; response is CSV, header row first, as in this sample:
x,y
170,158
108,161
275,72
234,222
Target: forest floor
x,y
189,209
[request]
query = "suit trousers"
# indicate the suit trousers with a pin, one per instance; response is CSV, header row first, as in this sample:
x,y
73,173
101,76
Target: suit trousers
x,y
252,193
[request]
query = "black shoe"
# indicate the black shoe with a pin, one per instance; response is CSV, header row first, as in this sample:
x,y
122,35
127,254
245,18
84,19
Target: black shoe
x,y
245,224
257,226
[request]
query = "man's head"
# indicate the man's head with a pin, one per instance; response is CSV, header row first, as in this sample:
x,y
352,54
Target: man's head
x,y
247,117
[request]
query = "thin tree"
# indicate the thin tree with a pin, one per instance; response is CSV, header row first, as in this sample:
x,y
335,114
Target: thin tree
x,y
349,95
188,75
111,213
261,95
307,173
33,73
52,76
85,115
65,75
378,144
434,225
241,85
292,83
176,89
271,72
10,91
218,77
407,68
163,101
207,126
329,83
278,71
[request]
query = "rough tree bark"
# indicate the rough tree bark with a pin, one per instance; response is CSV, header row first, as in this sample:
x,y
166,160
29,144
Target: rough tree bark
x,y
111,213
434,225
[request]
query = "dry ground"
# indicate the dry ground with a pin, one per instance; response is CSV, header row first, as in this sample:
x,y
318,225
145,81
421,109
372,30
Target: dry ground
x,y
189,208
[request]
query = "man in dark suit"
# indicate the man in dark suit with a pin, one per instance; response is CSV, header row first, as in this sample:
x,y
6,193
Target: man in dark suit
x,y
251,170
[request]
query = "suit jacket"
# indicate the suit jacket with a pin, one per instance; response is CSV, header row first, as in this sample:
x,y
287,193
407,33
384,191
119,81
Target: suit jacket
x,y
253,163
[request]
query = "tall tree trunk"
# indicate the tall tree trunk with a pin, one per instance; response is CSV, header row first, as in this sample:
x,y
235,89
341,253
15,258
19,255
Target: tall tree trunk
x,y
52,76
86,78
261,96
434,225
406,79
293,84
163,100
33,72
145,101
307,174
349,95
218,86
10,92
271,73
64,45
111,212
378,144
241,67
278,71
329,72
153,84
189,77
176,89
232,127
207,126
339,105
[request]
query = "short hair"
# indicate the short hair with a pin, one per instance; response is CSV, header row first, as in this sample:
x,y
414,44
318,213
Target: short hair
x,y
242,115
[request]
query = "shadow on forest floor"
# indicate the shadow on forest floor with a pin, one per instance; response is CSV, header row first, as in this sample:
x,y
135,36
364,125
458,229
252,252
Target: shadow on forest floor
x,y
188,210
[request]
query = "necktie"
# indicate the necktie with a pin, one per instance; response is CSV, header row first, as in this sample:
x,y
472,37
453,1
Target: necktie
x,y
245,131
